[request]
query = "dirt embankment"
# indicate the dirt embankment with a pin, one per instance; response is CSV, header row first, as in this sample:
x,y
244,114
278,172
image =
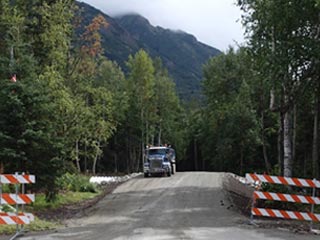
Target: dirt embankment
x,y
240,194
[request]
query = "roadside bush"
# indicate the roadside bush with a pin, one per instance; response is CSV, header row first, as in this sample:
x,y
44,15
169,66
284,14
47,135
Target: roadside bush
x,y
76,183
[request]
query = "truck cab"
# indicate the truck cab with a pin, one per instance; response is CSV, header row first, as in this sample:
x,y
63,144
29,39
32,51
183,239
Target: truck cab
x,y
159,160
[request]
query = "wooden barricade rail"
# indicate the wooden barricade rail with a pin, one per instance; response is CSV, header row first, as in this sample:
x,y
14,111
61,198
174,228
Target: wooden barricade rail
x,y
18,218
275,213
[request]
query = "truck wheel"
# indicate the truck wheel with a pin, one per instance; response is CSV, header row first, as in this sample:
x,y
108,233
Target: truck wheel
x,y
146,175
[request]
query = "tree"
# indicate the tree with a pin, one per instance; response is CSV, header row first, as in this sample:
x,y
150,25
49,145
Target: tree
x,y
141,88
112,79
33,133
231,131
167,106
283,37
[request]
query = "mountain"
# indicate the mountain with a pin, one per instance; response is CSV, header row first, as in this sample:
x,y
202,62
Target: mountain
x,y
180,52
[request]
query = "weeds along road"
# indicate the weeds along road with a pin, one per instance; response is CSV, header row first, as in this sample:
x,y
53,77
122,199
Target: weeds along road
x,y
185,206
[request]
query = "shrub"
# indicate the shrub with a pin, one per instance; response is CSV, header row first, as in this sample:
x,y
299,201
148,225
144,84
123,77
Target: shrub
x,y
76,183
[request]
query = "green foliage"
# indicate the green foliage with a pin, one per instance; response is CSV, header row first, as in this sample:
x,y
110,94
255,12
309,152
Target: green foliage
x,y
7,208
41,117
231,129
76,183
283,42
64,198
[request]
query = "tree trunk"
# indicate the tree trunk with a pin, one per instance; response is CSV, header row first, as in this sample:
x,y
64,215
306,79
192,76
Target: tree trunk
x,y
143,139
294,133
264,146
94,165
280,145
159,136
77,157
287,144
140,156
315,142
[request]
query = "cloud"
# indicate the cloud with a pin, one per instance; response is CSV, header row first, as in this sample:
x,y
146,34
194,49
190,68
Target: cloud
x,y
213,22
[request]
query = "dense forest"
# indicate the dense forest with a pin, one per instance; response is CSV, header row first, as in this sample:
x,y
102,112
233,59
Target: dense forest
x,y
262,108
64,107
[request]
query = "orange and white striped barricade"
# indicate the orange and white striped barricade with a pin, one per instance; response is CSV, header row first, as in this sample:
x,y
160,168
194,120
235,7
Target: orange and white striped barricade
x,y
15,218
274,213
17,179
18,217
12,199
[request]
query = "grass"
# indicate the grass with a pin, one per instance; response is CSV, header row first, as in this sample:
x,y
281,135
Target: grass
x,y
37,225
64,198
40,204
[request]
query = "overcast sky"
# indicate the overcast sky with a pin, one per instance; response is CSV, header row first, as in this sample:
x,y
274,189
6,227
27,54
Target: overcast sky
x,y
214,22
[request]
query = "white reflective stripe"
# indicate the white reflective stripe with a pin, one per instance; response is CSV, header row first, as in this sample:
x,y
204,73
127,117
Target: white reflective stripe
x,y
277,213
20,179
260,195
291,215
289,180
276,180
32,178
262,178
305,216
316,200
32,197
289,198
263,212
8,220
317,216
249,178
26,178
303,182
25,219
30,216
275,196
3,179
302,199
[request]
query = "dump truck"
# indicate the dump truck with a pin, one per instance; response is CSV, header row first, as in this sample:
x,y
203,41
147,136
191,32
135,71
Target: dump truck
x,y
159,160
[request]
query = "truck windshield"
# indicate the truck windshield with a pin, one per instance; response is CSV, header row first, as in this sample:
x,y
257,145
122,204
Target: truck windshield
x,y
157,151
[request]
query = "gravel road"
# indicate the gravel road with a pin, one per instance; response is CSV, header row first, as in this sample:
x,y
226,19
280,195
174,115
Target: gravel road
x,y
186,206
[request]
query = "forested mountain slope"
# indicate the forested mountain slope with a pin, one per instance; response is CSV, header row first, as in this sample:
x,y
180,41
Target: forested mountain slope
x,y
180,52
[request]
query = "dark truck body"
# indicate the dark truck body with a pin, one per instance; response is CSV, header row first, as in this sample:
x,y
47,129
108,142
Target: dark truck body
x,y
160,161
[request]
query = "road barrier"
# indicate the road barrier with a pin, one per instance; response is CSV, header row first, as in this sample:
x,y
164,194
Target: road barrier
x,y
257,179
18,217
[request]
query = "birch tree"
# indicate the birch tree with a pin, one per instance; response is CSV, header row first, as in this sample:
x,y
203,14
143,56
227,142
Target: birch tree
x,y
282,35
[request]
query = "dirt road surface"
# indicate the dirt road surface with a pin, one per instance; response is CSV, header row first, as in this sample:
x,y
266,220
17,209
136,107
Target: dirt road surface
x,y
185,206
